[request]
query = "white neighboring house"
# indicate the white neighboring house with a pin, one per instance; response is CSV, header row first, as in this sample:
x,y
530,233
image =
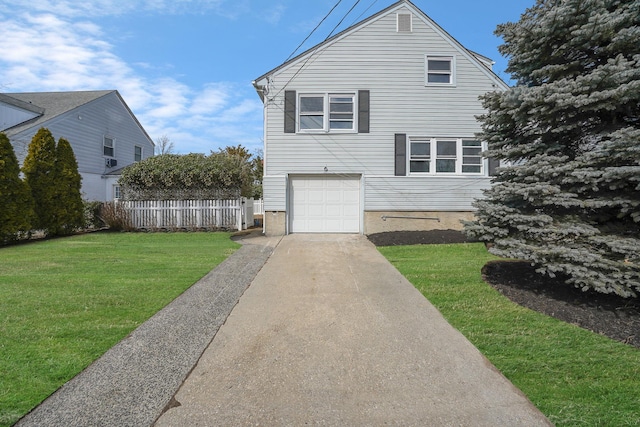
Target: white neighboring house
x,y
374,130
103,132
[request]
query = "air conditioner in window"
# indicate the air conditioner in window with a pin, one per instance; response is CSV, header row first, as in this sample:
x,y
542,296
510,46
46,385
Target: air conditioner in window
x,y
110,163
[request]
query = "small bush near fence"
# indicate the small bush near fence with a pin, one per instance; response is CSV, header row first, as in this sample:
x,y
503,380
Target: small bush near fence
x,y
116,217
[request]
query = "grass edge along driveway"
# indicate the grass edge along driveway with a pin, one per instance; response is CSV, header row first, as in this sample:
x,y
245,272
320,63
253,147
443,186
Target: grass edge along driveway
x,y
574,376
64,302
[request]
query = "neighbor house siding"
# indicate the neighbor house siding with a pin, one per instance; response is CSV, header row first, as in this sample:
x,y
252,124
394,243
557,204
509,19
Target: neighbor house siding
x,y
11,116
85,127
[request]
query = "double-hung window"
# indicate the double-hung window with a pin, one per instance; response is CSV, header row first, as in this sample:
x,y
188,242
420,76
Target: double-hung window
x,y
471,156
137,153
108,146
442,156
446,151
311,112
440,70
420,161
326,112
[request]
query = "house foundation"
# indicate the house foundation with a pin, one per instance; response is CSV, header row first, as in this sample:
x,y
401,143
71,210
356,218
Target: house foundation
x,y
275,223
381,222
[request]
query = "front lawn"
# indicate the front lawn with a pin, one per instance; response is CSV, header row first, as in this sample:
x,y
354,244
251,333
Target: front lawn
x,y
575,377
64,302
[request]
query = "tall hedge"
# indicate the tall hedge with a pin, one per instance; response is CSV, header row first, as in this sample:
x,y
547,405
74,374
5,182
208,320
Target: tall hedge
x,y
39,173
16,204
69,211
191,176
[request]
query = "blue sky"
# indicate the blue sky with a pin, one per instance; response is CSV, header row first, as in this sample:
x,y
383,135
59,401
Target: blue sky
x,y
185,66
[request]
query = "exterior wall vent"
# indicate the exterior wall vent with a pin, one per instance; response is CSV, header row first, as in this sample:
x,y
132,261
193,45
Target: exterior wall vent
x,y
404,23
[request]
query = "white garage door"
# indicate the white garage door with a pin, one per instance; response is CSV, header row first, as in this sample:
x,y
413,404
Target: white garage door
x,y
325,205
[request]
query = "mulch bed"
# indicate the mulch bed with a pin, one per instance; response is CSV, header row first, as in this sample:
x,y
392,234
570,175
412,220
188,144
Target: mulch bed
x,y
615,317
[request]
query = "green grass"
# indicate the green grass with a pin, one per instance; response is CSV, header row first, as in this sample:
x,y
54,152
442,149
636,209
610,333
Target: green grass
x,y
64,302
575,377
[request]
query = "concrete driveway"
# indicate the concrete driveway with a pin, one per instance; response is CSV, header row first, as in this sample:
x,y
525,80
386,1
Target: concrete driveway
x,y
329,333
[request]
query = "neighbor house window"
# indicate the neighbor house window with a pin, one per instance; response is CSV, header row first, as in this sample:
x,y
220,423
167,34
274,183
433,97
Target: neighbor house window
x,y
109,146
326,112
440,70
116,192
445,156
137,153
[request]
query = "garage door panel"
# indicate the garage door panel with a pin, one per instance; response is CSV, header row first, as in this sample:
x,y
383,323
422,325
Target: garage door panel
x,y
325,205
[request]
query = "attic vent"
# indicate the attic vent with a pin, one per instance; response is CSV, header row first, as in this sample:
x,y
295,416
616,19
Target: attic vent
x,y
404,22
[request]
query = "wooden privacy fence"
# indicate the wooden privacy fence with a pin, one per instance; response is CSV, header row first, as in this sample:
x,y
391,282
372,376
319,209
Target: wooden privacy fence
x,y
190,214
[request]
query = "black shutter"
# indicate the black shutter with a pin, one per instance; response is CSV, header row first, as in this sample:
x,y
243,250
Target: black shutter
x,y
401,154
493,165
363,111
289,111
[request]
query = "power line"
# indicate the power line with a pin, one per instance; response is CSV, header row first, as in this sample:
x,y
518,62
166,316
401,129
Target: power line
x,y
342,20
312,53
314,30
365,11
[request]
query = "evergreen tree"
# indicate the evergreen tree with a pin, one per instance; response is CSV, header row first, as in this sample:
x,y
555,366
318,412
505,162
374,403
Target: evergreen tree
x,y
38,169
16,205
69,209
568,135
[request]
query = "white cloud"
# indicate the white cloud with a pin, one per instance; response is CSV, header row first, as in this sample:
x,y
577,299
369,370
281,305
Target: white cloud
x,y
87,9
45,51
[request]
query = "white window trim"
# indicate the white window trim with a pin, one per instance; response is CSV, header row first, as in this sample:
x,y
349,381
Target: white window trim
x,y
326,112
434,153
113,146
442,57
141,153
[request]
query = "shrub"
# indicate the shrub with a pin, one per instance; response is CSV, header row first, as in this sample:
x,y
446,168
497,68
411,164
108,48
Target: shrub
x,y
116,217
38,168
69,209
16,204
92,218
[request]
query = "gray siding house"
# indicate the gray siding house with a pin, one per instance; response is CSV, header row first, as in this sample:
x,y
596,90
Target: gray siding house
x,y
374,130
103,132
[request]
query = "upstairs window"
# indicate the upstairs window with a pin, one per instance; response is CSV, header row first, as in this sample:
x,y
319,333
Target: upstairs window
x,y
109,146
326,112
440,70
444,156
311,112
341,112
137,153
